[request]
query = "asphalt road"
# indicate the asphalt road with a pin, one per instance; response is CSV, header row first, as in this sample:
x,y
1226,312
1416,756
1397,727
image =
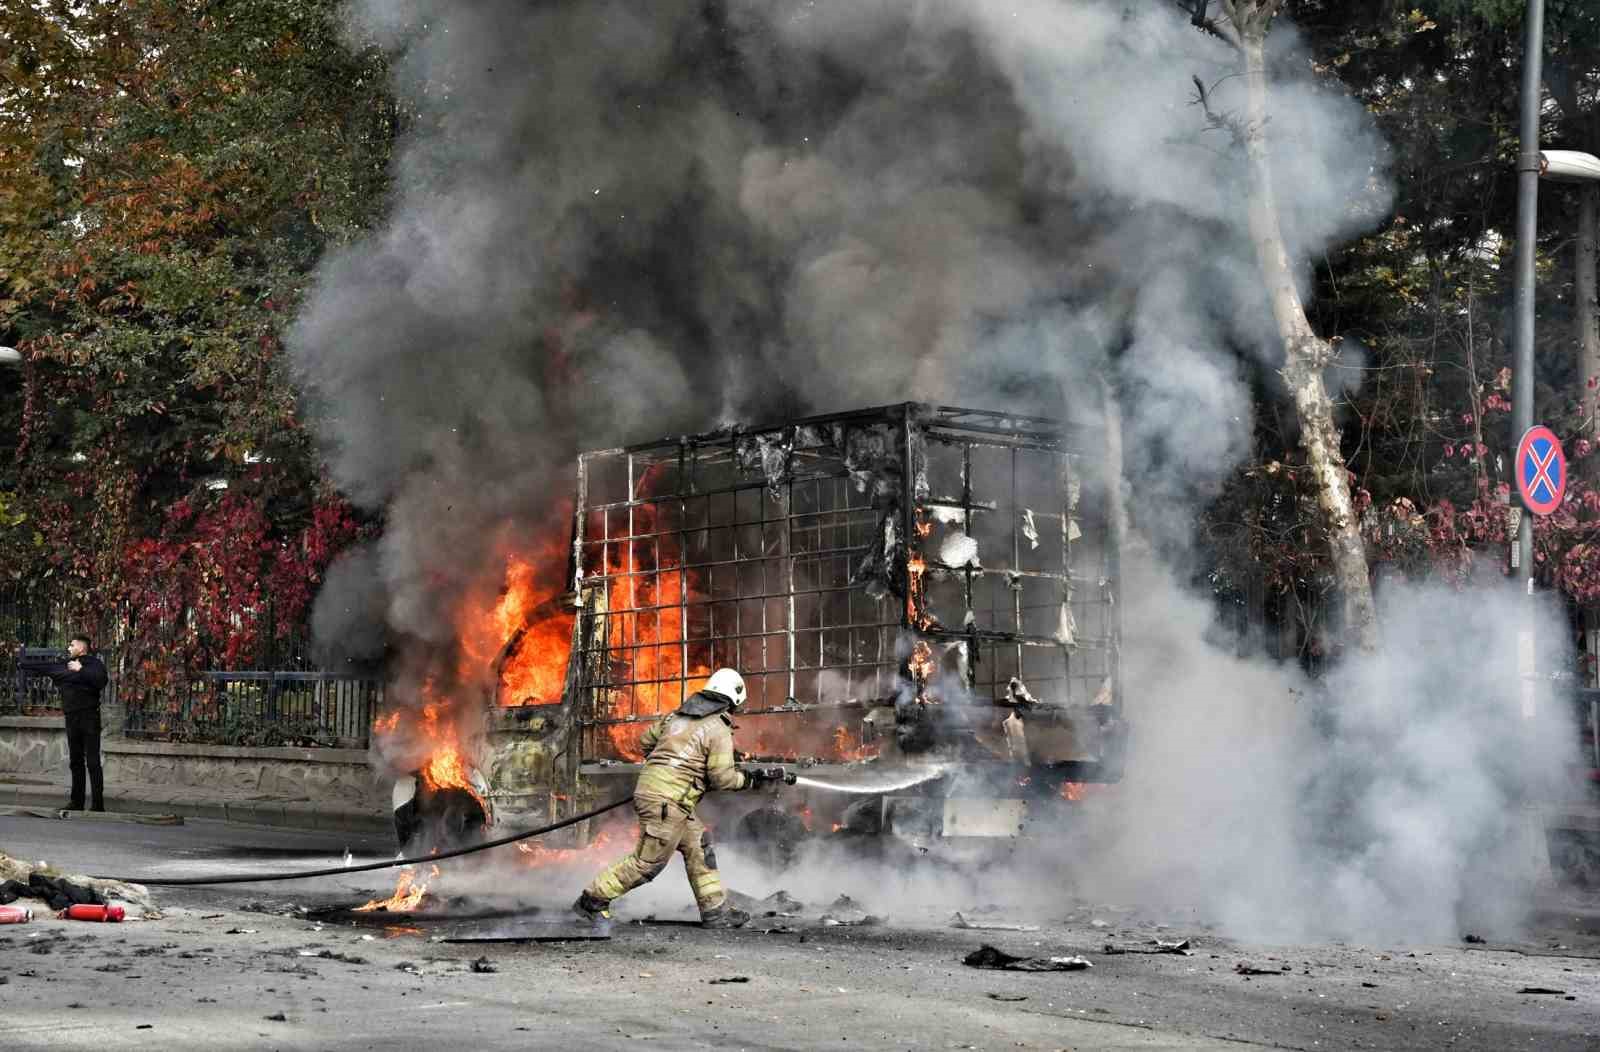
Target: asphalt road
x,y
245,967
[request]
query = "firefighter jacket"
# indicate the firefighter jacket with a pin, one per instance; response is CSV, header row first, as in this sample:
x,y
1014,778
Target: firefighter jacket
x,y
689,752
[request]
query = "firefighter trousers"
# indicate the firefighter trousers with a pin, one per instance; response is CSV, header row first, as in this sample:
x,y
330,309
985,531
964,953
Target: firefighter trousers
x,y
664,827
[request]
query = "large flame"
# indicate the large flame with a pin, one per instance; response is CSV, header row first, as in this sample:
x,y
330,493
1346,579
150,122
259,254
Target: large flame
x,y
519,641
445,768
648,594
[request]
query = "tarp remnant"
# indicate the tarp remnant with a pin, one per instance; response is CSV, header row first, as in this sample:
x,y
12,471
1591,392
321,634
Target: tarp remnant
x,y
987,956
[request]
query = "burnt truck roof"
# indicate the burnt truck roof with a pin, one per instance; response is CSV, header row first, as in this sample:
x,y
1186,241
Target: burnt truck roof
x,y
845,563
1044,432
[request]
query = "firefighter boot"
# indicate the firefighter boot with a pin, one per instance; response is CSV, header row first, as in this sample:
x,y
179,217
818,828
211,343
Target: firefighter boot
x,y
726,915
595,911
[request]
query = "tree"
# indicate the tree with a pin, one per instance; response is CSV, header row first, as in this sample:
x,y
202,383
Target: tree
x,y
174,170
1306,355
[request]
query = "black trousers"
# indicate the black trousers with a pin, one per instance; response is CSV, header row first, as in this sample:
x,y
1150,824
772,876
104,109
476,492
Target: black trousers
x,y
83,752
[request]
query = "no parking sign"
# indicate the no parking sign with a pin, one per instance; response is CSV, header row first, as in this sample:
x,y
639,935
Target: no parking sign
x,y
1541,470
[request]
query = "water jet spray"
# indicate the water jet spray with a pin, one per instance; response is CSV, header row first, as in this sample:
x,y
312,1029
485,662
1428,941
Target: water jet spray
x,y
834,787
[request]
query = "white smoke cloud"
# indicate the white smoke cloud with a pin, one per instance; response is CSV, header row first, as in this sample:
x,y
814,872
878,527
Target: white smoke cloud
x,y
1385,800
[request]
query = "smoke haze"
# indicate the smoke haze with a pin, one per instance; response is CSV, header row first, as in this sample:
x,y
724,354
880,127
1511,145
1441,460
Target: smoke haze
x,y
614,221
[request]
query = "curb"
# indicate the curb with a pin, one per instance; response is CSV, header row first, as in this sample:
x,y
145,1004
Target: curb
x,y
292,815
92,816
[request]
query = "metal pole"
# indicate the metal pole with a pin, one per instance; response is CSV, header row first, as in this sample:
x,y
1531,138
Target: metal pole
x,y
1527,233
1522,393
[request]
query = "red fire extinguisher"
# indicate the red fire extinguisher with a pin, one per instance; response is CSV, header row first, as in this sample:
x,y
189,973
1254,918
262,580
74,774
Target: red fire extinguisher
x,y
15,915
92,913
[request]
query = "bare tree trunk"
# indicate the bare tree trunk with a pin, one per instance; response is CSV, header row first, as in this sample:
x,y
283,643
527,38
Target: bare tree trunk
x,y
1588,309
1306,354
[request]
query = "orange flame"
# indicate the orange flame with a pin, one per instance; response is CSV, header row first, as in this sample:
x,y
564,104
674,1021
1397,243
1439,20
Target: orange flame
x,y
647,592
598,850
406,898
445,768
920,664
624,738
849,747
917,614
1074,791
537,629
916,567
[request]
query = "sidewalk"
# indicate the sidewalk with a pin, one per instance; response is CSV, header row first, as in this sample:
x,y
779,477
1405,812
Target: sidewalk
x,y
190,802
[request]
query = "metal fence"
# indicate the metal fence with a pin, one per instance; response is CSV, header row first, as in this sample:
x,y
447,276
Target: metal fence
x,y
281,699
260,708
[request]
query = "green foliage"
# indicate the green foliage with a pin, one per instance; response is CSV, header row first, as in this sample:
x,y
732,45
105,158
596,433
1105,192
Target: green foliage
x,y
174,171
1422,306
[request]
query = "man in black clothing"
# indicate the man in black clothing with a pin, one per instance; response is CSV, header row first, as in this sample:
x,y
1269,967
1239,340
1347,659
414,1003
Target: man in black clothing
x,y
81,678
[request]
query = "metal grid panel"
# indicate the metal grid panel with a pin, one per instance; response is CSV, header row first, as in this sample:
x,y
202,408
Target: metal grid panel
x,y
701,552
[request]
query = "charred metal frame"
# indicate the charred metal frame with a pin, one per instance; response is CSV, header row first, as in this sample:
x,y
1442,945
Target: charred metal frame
x,y
787,552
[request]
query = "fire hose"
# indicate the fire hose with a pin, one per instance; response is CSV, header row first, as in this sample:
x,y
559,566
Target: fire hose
x,y
332,871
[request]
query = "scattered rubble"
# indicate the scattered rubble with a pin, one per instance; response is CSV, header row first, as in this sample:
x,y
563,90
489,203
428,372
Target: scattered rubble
x,y
1180,948
1245,968
958,921
484,966
779,904
330,955
987,956
730,979
847,911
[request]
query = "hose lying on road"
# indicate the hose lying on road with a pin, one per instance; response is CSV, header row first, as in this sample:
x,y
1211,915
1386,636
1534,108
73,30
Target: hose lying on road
x,y
332,871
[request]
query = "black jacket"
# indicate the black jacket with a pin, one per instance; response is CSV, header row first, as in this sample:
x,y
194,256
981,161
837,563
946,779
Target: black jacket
x,y
80,690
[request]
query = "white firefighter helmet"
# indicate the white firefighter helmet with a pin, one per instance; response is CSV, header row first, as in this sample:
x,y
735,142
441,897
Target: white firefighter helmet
x,y
728,683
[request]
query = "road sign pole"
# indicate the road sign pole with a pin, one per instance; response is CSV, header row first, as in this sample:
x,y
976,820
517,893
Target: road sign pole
x,y
1540,469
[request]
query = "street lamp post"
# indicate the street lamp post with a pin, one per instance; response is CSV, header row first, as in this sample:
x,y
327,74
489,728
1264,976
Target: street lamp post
x,y
1573,166
1569,166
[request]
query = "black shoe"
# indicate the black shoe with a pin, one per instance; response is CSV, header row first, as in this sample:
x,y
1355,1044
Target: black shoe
x,y
591,909
73,805
101,808
724,916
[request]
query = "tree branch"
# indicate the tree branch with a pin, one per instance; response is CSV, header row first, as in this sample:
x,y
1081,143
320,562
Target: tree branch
x,y
1218,121
1196,9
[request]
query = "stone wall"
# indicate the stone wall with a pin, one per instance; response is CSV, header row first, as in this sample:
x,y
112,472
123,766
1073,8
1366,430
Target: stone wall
x,y
35,749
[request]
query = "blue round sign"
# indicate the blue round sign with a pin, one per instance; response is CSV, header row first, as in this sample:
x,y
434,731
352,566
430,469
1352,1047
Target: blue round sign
x,y
1541,470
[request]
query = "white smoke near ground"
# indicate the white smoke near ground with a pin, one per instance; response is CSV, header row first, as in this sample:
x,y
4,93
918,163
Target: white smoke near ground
x,y
1387,799
615,221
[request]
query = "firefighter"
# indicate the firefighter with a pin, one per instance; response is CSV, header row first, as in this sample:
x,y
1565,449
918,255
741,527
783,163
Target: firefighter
x,y
686,753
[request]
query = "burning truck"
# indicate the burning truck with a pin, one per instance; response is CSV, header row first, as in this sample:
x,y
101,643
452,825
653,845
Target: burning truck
x,y
920,598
